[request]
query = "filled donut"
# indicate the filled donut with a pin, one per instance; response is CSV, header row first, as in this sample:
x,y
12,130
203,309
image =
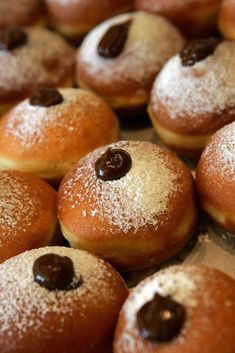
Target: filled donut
x,y
57,299
120,58
193,96
179,309
131,202
53,129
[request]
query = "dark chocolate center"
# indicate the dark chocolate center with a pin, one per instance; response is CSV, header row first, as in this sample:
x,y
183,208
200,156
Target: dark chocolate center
x,y
161,319
12,37
198,50
113,164
112,43
55,272
46,97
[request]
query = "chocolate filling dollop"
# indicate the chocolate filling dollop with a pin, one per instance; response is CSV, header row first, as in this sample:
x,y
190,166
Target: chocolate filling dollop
x,y
198,50
112,43
161,319
55,272
12,38
46,97
113,164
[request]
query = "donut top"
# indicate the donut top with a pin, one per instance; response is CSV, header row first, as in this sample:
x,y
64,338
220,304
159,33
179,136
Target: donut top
x,y
140,198
206,87
180,285
24,302
17,12
36,63
31,124
150,42
18,205
220,153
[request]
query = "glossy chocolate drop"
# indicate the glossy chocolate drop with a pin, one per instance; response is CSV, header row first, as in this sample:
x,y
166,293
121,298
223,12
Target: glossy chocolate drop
x,y
113,164
161,319
46,97
12,38
55,272
198,50
112,43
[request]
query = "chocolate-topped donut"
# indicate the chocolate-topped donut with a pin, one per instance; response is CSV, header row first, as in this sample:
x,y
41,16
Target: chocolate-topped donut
x,y
182,309
74,18
53,129
120,58
44,311
193,96
32,64
28,213
141,213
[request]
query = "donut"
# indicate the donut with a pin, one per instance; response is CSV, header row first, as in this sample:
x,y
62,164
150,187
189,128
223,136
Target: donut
x,y
180,309
53,129
195,18
28,62
120,58
130,202
20,13
28,213
193,96
215,177
57,299
226,19
74,18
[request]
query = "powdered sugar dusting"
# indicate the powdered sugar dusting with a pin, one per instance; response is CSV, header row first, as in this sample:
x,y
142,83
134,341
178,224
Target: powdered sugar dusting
x,y
46,60
29,123
14,12
151,41
180,284
138,199
220,152
17,206
25,304
206,87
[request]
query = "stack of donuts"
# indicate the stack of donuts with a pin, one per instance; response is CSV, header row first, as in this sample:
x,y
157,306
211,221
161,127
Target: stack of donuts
x,y
82,207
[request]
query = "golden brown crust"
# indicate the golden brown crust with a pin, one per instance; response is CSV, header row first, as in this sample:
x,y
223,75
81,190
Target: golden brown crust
x,y
76,18
227,18
196,18
47,141
28,213
59,321
215,178
107,220
208,297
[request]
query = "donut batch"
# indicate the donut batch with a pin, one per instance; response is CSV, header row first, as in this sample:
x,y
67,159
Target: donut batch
x,y
81,207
